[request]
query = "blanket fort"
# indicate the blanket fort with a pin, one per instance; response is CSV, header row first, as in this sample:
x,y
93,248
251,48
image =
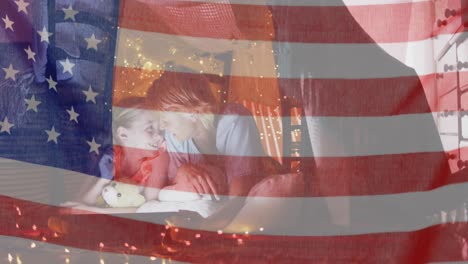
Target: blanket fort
x,y
232,131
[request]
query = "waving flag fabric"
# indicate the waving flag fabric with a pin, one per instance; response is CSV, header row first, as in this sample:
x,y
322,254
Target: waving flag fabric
x,y
379,187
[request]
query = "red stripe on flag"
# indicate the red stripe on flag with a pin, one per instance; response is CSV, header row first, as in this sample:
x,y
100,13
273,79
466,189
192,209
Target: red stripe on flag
x,y
384,174
337,97
107,233
369,175
384,23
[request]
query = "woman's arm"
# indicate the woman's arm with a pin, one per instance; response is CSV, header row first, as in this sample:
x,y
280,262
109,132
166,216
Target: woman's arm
x,y
242,151
200,179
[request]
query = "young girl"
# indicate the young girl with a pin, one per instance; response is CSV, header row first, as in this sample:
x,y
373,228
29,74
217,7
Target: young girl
x,y
138,156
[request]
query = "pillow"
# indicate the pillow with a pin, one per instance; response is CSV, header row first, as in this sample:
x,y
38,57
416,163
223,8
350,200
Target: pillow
x,y
285,185
269,203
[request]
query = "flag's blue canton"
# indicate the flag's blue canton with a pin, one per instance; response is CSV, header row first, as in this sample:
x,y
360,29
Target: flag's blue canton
x,y
56,71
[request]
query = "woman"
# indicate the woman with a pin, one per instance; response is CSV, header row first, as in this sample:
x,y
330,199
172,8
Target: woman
x,y
198,130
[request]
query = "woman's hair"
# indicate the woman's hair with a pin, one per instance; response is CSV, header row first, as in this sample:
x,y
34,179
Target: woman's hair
x,y
184,92
129,109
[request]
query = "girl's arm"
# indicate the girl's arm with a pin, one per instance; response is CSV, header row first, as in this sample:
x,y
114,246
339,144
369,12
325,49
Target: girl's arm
x,y
78,208
91,184
158,178
156,181
106,167
93,193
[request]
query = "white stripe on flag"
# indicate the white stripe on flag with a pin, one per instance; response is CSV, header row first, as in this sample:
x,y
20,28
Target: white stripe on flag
x,y
327,61
309,2
363,136
369,214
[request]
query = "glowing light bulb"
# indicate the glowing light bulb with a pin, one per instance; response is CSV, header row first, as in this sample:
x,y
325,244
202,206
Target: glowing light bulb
x,y
172,50
148,65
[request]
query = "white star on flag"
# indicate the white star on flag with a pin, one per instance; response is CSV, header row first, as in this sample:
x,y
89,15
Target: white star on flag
x,y
32,103
67,66
52,135
73,115
92,42
10,73
69,13
6,126
93,146
22,6
52,83
90,95
30,53
8,23
44,34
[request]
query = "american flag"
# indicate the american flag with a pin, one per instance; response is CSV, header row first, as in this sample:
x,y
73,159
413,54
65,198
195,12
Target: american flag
x,y
376,183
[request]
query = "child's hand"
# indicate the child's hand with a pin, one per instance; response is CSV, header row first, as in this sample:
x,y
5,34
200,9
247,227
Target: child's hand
x,y
106,166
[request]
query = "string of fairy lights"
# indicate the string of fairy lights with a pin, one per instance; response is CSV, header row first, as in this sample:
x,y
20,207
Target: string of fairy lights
x,y
40,234
139,74
44,236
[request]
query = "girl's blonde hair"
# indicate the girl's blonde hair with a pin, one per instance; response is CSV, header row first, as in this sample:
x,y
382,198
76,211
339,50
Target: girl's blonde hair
x,y
185,92
128,111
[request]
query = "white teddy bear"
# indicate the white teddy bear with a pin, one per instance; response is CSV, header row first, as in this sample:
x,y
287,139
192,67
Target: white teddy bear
x,y
119,194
